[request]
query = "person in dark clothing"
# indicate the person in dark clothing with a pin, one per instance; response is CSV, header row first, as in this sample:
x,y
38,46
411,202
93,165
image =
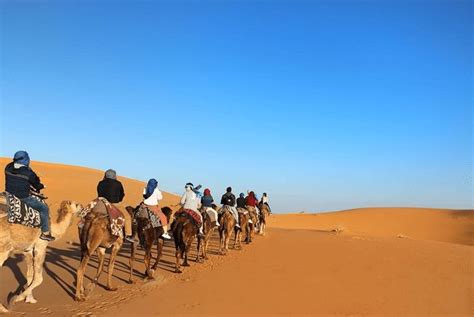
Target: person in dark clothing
x,y
241,201
228,199
112,190
20,179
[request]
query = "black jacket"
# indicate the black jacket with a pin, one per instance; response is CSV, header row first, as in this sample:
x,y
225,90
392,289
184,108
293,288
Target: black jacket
x,y
241,202
19,180
228,199
110,189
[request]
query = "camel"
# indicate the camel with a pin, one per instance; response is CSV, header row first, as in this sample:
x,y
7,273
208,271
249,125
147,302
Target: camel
x,y
16,238
227,224
264,213
208,229
255,223
244,229
150,236
95,236
184,232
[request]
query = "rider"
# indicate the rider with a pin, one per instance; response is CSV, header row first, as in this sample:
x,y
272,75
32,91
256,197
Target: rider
x,y
206,202
251,200
228,199
190,200
264,200
241,201
152,195
19,179
112,190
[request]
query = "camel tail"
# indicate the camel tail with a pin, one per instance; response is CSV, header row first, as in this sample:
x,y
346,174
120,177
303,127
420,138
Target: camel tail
x,y
178,237
84,233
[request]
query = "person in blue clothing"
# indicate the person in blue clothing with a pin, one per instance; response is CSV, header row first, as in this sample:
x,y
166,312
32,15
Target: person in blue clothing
x,y
206,203
20,180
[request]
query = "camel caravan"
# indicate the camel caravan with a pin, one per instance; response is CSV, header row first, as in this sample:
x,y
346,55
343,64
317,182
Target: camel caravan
x,y
25,225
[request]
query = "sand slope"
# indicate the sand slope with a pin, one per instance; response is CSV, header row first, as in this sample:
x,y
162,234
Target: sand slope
x,y
299,268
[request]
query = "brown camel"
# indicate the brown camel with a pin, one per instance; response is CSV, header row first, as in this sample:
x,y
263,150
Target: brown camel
x,y
203,241
184,232
149,236
264,213
96,236
15,238
255,222
227,224
244,229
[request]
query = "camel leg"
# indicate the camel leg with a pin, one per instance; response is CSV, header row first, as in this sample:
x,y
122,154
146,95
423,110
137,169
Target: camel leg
x,y
178,261
159,252
147,260
110,267
38,258
80,277
199,245
101,256
131,262
186,250
30,273
206,244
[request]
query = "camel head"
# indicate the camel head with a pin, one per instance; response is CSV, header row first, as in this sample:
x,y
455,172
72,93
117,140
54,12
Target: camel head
x,y
68,207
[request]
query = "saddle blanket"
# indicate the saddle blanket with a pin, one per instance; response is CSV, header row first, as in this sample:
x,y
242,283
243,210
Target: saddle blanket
x,y
145,212
194,215
21,213
116,218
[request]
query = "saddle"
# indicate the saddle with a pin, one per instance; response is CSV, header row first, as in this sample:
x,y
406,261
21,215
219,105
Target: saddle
x,y
18,212
242,210
190,214
145,213
102,208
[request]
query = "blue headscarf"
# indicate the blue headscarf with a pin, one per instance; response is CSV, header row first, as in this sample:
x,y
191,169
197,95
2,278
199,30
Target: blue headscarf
x,y
21,157
150,187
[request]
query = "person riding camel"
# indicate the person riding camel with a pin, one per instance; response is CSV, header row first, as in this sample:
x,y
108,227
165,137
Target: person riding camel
x,y
190,200
112,190
206,202
241,201
251,200
20,180
152,195
228,199
264,200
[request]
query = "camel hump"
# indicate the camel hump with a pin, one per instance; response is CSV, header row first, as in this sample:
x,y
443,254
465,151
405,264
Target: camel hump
x,y
3,205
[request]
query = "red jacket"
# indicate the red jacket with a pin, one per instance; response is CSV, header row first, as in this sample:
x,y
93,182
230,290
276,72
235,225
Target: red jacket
x,y
251,201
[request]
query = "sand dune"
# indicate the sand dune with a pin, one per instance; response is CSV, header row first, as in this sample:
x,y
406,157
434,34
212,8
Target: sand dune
x,y
383,262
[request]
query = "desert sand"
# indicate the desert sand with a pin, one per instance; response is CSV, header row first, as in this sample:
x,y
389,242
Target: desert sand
x,y
361,262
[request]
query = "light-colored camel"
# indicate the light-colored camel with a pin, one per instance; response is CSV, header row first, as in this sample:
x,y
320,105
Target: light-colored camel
x,y
96,236
15,238
244,230
227,224
264,213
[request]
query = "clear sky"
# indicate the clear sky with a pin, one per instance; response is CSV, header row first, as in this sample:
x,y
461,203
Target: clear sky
x,y
323,104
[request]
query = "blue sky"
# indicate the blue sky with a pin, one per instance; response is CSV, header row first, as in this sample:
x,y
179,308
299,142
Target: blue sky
x,y
323,104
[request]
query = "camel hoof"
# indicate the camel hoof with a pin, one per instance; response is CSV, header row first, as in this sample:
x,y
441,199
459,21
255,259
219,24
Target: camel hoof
x,y
79,298
111,288
185,264
30,299
178,271
12,302
131,281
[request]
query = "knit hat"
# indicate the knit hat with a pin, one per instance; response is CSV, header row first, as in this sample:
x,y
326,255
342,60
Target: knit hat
x,y
110,173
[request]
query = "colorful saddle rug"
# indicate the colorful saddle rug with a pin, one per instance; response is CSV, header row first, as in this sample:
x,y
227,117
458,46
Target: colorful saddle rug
x,y
192,214
20,213
146,213
116,218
